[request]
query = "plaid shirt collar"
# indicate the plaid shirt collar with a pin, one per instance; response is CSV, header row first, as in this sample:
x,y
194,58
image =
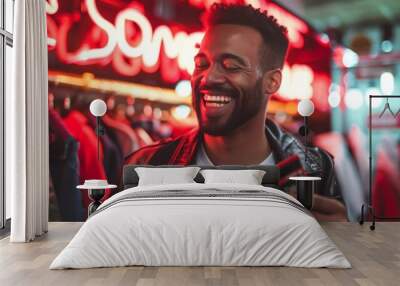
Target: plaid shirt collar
x,y
185,152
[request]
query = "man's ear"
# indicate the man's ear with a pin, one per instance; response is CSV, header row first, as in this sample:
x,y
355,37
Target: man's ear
x,y
272,81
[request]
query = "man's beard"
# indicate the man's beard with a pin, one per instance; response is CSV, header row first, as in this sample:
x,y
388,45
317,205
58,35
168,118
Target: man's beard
x,y
247,105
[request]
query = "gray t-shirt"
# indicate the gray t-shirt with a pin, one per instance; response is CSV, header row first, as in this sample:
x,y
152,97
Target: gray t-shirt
x,y
203,160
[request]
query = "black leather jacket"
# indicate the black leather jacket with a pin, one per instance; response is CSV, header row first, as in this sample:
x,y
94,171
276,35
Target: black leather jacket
x,y
318,162
182,151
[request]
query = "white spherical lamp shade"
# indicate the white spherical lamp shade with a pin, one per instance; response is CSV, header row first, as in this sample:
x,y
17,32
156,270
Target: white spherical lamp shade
x,y
98,107
305,107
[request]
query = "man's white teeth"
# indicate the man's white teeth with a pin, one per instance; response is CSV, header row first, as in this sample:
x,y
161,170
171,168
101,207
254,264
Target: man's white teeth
x,y
214,104
217,98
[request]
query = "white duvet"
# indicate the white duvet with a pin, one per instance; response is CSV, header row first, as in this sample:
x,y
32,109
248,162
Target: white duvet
x,y
184,230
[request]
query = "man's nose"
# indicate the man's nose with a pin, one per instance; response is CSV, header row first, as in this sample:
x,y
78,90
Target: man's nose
x,y
212,76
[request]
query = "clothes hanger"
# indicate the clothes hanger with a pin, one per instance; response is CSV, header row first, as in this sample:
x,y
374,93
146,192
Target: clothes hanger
x,y
387,107
397,113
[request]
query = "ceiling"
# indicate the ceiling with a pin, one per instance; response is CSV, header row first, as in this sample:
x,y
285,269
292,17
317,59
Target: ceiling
x,y
345,13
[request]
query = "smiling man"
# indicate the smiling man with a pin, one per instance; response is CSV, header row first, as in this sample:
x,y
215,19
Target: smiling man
x,y
238,67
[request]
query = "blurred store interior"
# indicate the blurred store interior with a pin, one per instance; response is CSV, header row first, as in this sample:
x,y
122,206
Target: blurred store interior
x,y
138,56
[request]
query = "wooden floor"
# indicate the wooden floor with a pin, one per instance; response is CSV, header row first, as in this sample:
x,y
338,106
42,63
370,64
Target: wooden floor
x,y
374,255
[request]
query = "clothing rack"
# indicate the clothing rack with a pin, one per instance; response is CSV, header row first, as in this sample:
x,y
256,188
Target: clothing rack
x,y
369,206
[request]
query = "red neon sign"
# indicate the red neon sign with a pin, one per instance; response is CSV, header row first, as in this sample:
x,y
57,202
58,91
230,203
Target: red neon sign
x,y
131,45
152,48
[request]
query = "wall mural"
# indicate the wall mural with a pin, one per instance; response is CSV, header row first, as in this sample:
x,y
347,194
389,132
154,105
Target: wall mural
x,y
145,60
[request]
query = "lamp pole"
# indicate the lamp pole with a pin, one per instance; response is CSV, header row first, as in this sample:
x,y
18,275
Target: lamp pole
x,y
306,137
98,136
98,108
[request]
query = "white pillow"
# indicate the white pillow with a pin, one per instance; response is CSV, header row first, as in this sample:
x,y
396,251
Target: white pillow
x,y
162,176
249,177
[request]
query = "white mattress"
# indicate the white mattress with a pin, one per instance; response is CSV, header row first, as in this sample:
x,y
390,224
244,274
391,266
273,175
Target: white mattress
x,y
185,230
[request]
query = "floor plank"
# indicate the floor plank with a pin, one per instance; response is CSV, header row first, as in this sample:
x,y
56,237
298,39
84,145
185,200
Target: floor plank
x,y
374,255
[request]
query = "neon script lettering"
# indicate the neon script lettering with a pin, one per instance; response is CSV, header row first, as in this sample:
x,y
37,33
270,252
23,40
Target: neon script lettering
x,y
127,59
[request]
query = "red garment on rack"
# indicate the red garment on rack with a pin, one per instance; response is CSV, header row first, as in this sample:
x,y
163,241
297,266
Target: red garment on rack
x,y
143,137
89,165
386,187
124,135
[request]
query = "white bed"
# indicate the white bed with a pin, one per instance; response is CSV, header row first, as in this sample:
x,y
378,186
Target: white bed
x,y
201,224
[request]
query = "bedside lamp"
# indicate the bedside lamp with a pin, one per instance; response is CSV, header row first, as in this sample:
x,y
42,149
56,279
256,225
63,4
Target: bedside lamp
x,y
98,108
96,188
306,109
306,185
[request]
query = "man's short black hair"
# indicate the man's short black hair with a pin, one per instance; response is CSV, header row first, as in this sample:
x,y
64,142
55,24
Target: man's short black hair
x,y
274,35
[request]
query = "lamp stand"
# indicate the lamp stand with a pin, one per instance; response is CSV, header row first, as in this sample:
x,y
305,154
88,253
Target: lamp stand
x,y
99,133
306,137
